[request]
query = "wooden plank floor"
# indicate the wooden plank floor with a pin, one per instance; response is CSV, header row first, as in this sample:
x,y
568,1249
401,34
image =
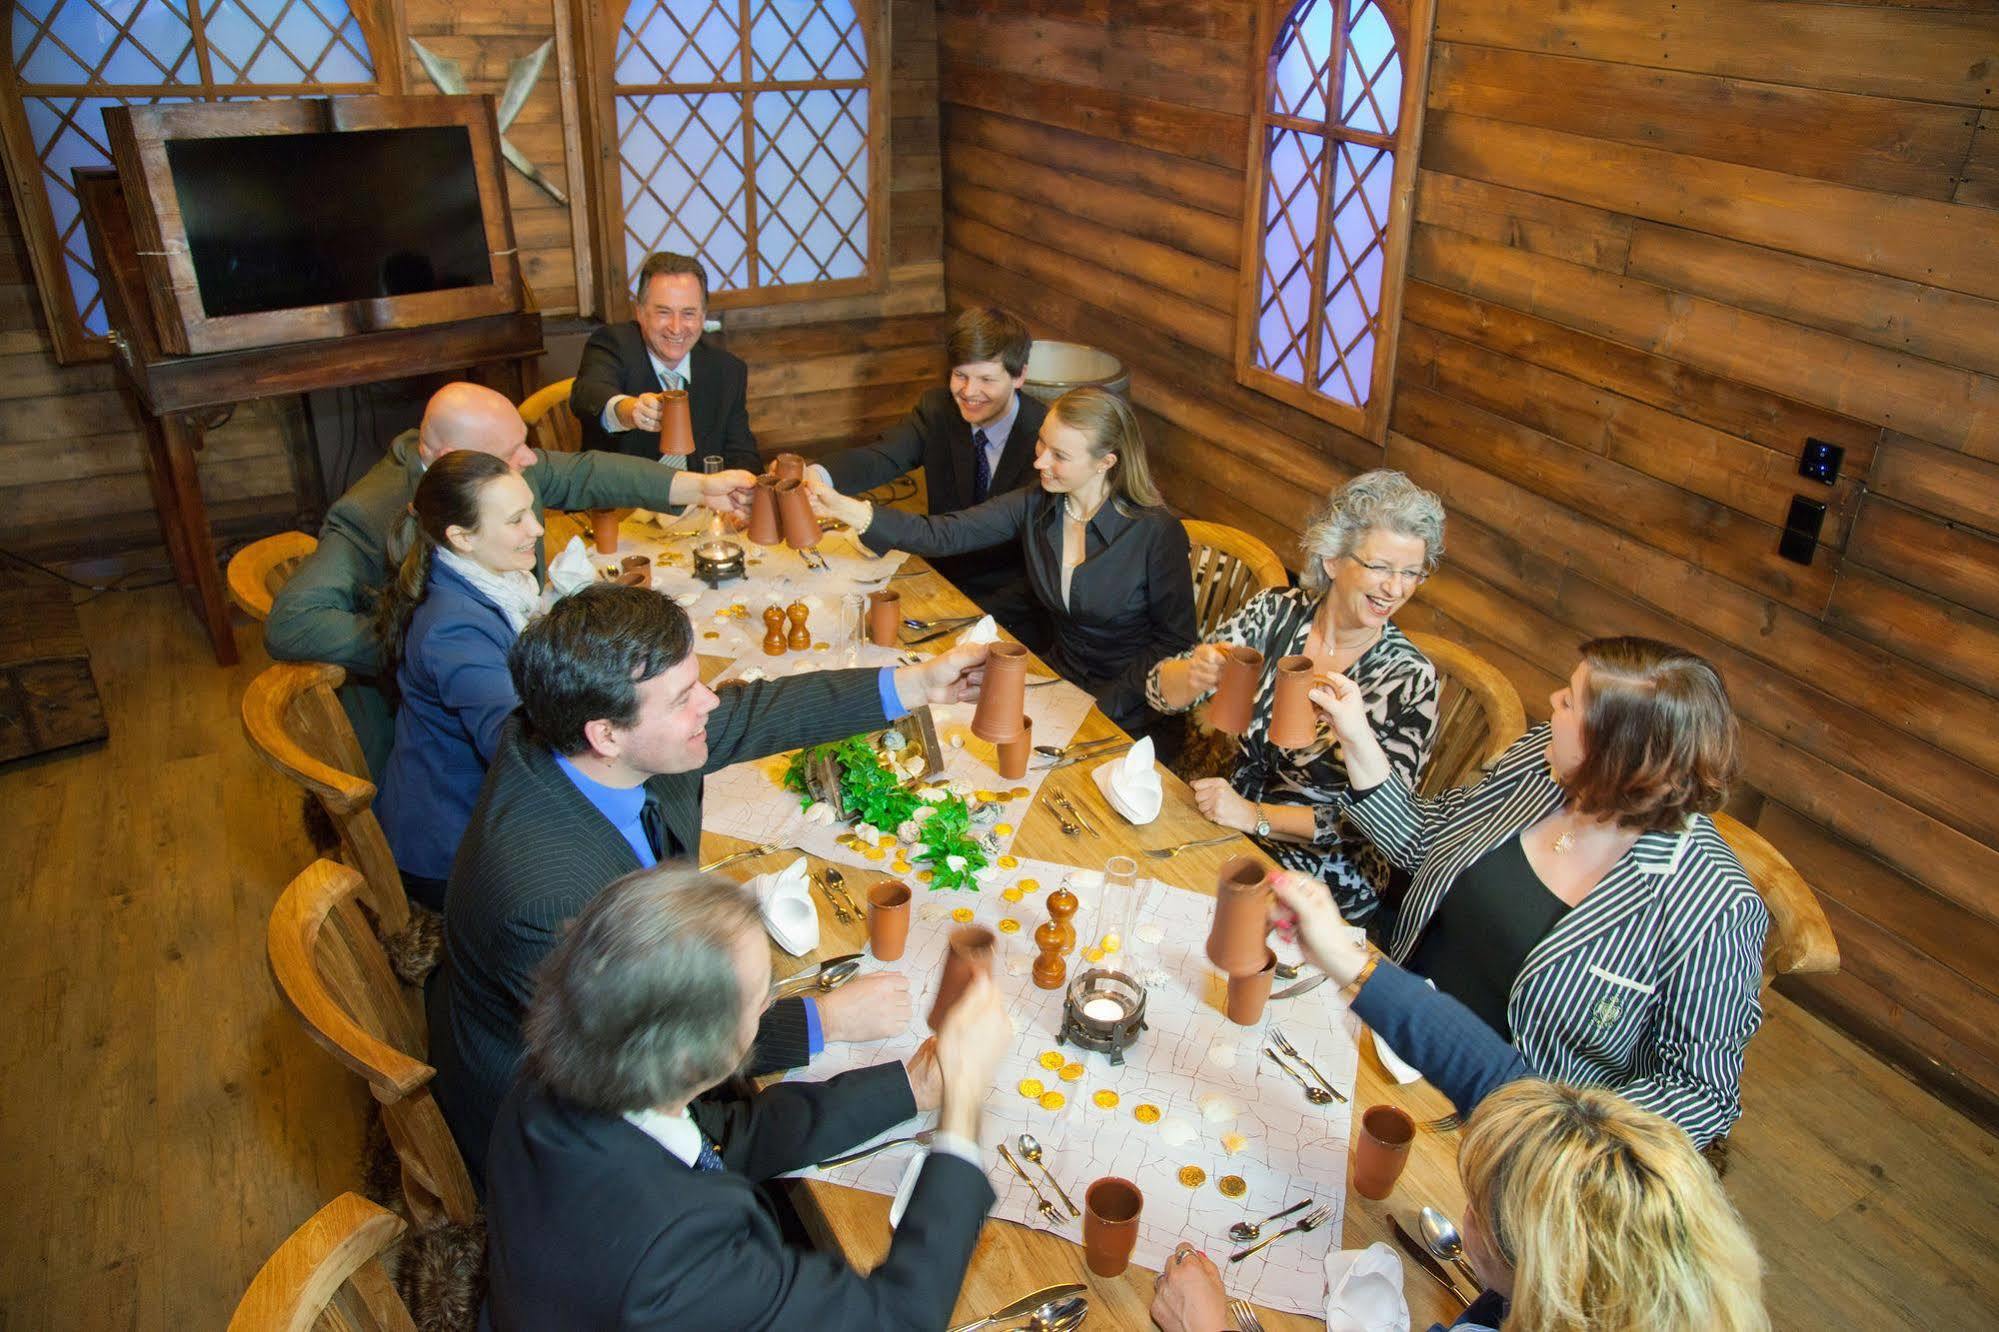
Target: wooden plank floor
x,y
166,1124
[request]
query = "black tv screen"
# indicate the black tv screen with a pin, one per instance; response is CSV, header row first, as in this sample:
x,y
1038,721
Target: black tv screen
x,y
280,221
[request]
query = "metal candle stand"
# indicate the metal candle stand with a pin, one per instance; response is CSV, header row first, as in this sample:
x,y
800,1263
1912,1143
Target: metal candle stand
x,y
1106,1036
717,561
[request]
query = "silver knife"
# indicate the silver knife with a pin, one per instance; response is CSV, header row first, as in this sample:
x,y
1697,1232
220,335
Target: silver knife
x,y
1026,1304
1093,754
1426,1260
1302,987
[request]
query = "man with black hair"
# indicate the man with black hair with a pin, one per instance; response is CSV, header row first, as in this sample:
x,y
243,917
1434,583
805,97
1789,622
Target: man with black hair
x,y
600,774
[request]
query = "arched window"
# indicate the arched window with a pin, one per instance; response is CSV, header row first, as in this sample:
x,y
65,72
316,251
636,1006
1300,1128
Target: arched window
x,y
74,58
1340,99
745,133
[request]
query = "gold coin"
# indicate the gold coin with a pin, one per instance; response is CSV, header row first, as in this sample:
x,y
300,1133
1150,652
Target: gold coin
x,y
874,853
1003,829
1106,1099
1093,954
984,797
1146,1113
1017,793
821,647
1232,1186
1052,1060
925,876
1011,894
1009,926
963,915
1054,1101
711,634
1009,862
1193,1176
1111,943
1072,1073
1031,1088
1030,885
900,867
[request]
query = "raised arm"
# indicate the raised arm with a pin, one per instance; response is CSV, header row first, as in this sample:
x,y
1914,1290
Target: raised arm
x,y
898,452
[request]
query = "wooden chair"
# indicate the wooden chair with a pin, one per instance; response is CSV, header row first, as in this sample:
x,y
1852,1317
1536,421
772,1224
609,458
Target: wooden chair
x,y
1800,941
551,425
334,975
1478,715
329,1274
257,571
1229,567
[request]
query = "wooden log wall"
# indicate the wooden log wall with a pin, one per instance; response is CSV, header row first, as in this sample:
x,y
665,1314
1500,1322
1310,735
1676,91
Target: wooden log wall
x,y
1659,244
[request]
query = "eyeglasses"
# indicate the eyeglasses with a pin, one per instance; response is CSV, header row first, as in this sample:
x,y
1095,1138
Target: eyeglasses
x,y
1385,573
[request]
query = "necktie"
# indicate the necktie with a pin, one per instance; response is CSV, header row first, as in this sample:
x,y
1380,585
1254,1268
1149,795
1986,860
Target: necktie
x,y
710,1159
653,819
982,471
672,379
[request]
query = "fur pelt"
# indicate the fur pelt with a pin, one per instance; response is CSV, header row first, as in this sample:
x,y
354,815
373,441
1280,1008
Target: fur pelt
x,y
440,1273
414,952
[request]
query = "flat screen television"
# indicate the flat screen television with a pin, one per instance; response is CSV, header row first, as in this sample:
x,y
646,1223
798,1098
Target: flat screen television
x,y
286,221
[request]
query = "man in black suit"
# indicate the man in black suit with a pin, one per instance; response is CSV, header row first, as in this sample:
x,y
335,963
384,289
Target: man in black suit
x,y
973,440
622,1187
624,366
599,774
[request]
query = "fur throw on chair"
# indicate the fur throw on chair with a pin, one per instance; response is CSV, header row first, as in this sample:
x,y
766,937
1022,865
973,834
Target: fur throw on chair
x,y
440,1273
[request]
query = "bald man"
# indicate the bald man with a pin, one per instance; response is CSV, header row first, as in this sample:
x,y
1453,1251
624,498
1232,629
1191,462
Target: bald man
x,y
326,612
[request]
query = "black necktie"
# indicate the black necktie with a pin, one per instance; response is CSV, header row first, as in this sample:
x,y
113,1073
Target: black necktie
x,y
982,471
653,819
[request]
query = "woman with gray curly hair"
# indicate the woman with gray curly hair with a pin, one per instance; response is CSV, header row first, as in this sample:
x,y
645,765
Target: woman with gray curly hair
x,y
1378,537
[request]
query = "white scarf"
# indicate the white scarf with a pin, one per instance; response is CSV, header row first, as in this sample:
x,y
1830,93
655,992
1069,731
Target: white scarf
x,y
516,593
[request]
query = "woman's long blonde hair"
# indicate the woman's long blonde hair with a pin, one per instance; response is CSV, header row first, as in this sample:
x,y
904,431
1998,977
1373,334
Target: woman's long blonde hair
x,y
1610,1219
1106,421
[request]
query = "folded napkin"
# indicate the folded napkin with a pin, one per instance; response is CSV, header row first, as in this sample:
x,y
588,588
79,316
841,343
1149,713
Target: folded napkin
x,y
985,631
785,899
572,569
1130,782
1398,1068
1364,1290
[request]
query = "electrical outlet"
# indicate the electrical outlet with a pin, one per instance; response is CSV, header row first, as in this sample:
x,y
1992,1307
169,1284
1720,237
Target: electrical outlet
x,y
1800,540
1820,461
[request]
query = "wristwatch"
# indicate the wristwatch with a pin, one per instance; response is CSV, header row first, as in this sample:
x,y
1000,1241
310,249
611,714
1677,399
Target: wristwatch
x,y
1262,821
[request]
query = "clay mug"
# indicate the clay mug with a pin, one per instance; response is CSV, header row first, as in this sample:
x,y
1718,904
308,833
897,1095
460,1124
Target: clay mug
x,y
970,951
676,425
1002,695
604,530
1248,994
888,919
764,527
1381,1150
1242,918
1110,1224
1293,723
788,467
884,618
794,510
1235,696
1014,753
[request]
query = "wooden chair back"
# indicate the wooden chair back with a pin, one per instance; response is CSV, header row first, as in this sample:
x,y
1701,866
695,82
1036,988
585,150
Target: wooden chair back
x,y
333,974
1800,941
1478,715
551,425
329,1275
296,724
1229,567
257,571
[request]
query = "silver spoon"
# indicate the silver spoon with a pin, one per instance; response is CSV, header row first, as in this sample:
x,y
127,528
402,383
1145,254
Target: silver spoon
x,y
1314,1093
1030,1147
1442,1237
1242,1232
828,980
1057,1316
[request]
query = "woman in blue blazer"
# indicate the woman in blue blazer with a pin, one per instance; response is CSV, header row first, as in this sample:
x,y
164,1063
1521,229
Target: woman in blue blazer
x,y
448,617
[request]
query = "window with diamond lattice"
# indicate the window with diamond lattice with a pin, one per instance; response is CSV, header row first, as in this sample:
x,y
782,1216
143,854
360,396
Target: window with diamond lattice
x,y
74,58
1340,101
746,133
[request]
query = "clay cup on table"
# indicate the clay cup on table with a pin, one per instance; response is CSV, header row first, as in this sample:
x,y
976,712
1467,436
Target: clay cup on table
x,y
1013,754
1234,702
1248,994
1293,723
1381,1150
1242,918
765,529
604,530
1002,706
888,919
1110,1224
884,618
676,424
970,951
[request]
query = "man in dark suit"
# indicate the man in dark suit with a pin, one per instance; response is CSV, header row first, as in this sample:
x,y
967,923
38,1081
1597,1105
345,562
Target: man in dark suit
x,y
599,774
622,1186
973,440
624,366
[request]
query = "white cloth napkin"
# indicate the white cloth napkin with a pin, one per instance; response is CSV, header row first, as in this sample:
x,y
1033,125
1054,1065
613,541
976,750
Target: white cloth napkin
x,y
572,569
985,631
1364,1290
1130,783
785,899
1398,1068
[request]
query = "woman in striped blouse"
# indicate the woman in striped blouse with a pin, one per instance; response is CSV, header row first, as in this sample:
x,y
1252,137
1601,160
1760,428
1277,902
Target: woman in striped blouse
x,y
1578,898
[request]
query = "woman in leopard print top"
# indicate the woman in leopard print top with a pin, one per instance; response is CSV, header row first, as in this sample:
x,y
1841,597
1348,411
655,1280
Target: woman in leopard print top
x,y
1377,539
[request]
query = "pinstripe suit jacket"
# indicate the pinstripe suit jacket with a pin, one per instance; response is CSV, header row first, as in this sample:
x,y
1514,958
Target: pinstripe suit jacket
x,y
535,853
1649,987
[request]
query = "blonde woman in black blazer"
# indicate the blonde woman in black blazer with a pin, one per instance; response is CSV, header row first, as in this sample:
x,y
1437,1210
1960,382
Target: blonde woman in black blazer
x,y
1579,898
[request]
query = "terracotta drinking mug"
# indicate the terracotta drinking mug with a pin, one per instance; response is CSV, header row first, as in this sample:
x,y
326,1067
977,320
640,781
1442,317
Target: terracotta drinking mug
x,y
1235,696
794,511
1110,1224
788,467
884,618
1248,994
1242,918
764,527
888,919
1013,754
971,951
1293,724
604,530
1003,695
1381,1150
676,425
640,565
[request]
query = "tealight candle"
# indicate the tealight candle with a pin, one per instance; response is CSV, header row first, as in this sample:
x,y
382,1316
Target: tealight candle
x,y
1103,1010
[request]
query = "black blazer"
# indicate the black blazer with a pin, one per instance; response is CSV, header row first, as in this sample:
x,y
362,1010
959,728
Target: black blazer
x,y
935,437
615,361
536,851
591,1224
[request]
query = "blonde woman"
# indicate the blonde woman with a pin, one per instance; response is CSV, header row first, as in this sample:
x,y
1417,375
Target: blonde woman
x,y
1583,1213
1105,561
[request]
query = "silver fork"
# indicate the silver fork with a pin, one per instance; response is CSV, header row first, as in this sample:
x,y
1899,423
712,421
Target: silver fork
x,y
1311,1221
1168,852
920,1139
1277,1039
1245,1317
1441,1124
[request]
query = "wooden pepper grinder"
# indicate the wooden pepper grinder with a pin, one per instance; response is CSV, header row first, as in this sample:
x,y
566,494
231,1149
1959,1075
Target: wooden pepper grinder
x,y
1062,905
1049,968
773,631
800,638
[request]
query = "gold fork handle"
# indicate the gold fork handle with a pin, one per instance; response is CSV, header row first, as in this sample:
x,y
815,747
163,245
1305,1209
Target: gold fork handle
x,y
1241,1254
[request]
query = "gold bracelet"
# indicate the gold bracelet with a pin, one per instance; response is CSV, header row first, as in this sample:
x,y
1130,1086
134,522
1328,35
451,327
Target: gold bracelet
x,y
1352,987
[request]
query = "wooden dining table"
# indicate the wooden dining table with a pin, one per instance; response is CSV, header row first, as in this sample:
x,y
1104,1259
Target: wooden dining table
x,y
1012,1260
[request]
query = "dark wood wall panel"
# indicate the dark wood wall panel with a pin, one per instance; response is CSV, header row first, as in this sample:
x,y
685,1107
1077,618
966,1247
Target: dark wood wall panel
x,y
1658,245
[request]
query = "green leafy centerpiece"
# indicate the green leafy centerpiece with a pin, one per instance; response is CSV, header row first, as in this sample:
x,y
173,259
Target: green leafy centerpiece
x,y
862,779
